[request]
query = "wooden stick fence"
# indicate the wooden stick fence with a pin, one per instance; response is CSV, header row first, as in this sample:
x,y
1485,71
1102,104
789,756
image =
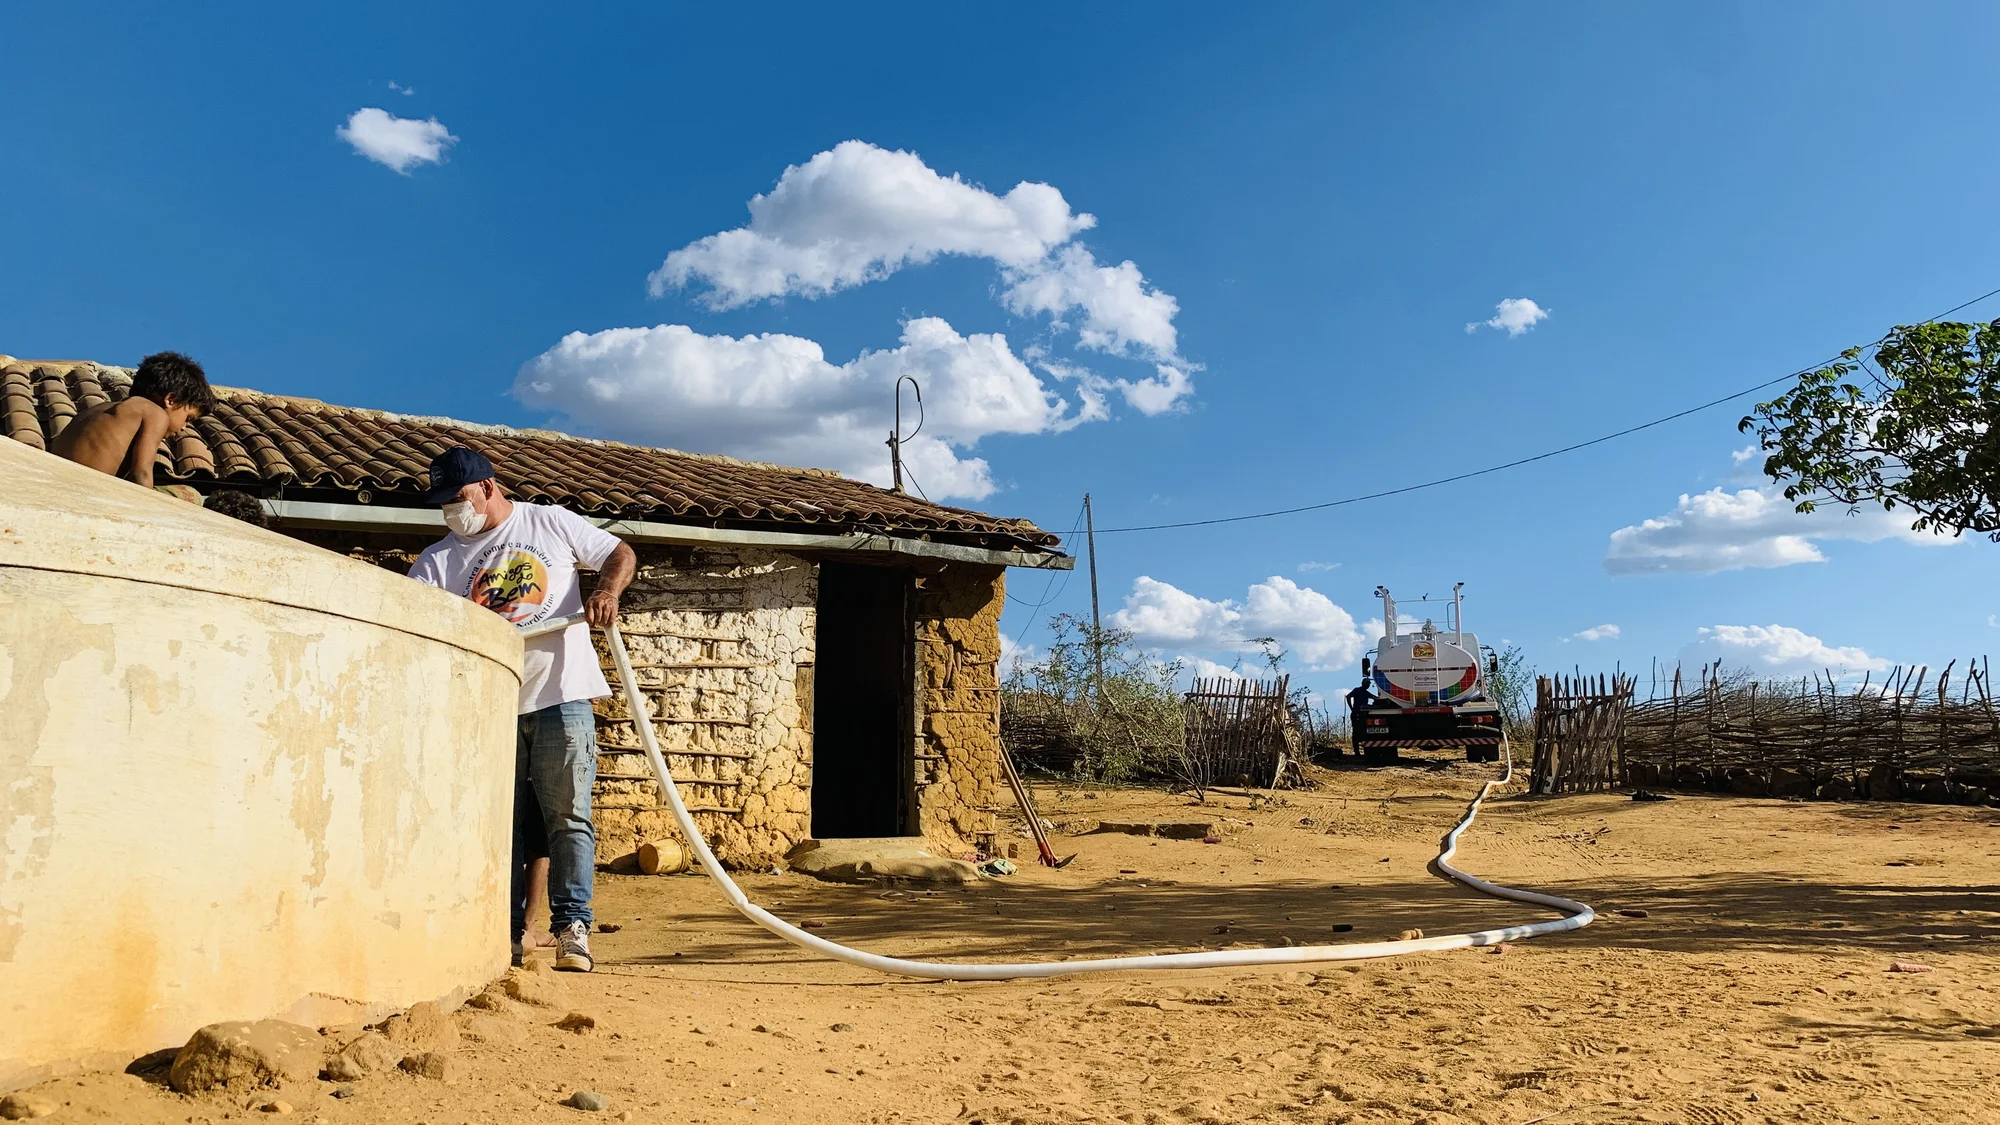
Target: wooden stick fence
x,y
1235,731
1910,735
1579,733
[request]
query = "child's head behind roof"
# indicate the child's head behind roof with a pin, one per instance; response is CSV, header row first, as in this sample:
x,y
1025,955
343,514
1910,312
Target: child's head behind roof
x,y
172,379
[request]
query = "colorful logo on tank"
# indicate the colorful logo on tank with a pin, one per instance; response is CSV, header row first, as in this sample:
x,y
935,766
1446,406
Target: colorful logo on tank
x,y
514,583
1424,698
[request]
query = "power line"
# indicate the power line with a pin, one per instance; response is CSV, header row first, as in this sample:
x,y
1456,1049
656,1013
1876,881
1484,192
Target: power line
x,y
1053,575
1515,463
1047,595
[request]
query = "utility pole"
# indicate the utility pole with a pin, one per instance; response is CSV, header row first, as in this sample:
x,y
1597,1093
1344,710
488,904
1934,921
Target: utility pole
x,y
1096,621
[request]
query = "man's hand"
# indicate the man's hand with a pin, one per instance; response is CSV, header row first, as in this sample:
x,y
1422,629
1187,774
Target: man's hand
x,y
616,574
602,609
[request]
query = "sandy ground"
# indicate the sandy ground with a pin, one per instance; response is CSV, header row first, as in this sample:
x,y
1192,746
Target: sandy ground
x,y
1753,989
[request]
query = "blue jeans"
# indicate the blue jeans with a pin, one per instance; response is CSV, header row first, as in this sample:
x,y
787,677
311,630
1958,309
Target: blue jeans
x,y
555,764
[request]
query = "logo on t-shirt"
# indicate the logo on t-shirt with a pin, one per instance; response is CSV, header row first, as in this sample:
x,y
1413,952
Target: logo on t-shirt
x,y
514,583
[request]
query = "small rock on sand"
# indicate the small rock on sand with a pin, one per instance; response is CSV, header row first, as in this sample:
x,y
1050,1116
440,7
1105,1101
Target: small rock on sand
x,y
1635,914
370,1053
1410,935
421,1030
589,1101
1908,967
578,1023
21,1107
535,984
243,1055
277,1106
1501,949
1343,927
344,1091
431,1064
842,1027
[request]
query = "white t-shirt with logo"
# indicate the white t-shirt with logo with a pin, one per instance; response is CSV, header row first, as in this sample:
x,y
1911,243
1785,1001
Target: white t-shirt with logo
x,y
525,571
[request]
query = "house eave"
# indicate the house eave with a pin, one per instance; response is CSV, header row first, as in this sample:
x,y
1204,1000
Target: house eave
x,y
315,515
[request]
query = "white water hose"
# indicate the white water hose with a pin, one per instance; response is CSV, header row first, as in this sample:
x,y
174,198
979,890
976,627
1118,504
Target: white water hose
x,y
1576,914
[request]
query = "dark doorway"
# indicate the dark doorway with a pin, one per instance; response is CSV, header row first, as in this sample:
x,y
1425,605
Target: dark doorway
x,y
864,746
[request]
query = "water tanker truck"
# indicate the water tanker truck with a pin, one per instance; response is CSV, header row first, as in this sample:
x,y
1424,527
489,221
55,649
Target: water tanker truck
x,y
1426,688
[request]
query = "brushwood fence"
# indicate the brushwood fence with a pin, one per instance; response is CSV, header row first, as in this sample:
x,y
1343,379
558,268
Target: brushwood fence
x,y
1915,734
1239,732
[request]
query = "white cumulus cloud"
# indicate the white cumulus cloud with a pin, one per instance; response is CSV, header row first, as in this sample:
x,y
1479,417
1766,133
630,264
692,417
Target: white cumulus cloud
x,y
1597,633
1304,621
1201,668
1514,315
1722,530
857,213
1016,657
1119,312
397,142
1775,650
777,398
851,215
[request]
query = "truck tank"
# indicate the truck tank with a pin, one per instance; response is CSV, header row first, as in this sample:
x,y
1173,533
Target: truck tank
x,y
1422,671
1427,690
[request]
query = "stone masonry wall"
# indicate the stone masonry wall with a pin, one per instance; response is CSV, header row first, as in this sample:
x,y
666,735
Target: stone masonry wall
x,y
958,662
721,643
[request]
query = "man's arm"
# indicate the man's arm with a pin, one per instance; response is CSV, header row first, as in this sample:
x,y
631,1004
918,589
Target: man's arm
x,y
146,445
612,578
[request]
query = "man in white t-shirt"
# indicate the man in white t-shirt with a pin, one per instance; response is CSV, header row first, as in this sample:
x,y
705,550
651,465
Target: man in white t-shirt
x,y
520,561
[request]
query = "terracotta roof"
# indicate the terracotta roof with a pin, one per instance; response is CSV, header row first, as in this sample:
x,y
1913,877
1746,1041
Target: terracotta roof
x,y
255,439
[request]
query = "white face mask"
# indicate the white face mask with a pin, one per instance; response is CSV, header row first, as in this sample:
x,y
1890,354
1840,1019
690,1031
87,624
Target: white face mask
x,y
462,518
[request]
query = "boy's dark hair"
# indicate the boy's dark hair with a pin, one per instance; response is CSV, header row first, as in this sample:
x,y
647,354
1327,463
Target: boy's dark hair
x,y
171,373
238,505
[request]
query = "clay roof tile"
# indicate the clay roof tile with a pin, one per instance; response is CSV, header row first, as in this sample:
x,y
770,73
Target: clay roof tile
x,y
301,442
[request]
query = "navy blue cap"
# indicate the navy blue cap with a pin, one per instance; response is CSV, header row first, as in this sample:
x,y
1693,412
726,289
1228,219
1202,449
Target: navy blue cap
x,y
454,469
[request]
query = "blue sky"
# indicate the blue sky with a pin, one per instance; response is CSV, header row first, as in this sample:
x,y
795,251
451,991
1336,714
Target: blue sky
x,y
1315,202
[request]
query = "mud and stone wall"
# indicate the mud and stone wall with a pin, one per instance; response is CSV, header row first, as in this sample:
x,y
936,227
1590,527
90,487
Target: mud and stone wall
x,y
723,643
239,777
958,666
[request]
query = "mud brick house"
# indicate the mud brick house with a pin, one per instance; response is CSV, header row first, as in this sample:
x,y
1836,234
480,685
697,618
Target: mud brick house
x,y
821,655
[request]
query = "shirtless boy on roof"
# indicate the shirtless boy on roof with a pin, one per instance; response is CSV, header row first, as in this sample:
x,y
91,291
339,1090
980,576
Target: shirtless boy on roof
x,y
168,391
